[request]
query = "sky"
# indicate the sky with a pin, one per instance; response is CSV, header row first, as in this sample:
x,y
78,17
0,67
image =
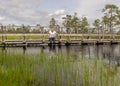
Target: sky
x,y
32,12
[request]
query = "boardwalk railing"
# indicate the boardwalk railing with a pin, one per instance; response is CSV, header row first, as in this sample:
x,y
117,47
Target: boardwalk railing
x,y
18,40
41,37
5,37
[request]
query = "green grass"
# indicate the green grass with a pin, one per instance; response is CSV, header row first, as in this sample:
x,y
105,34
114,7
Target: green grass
x,y
47,37
18,69
14,37
21,37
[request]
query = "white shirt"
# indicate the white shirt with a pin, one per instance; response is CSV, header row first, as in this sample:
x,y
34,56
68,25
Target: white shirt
x,y
52,34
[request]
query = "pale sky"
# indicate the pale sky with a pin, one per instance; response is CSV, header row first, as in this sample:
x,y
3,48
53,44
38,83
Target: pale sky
x,y
41,11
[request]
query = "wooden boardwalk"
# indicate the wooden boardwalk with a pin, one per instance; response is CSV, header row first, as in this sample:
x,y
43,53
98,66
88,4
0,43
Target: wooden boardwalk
x,y
24,42
37,43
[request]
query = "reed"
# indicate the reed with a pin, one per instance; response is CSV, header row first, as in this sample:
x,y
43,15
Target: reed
x,y
18,69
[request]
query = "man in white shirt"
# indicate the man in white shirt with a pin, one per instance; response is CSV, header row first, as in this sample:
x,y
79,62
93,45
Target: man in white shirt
x,y
52,35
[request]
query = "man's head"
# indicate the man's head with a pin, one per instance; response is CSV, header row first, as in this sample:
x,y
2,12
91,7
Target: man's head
x,y
52,28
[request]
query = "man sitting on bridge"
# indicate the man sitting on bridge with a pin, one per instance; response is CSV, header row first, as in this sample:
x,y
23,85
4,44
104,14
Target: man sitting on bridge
x,y
52,35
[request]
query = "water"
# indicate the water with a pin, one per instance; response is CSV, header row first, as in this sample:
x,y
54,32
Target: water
x,y
61,72
108,52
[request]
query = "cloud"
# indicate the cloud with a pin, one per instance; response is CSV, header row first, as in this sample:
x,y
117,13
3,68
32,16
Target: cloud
x,y
2,18
34,11
57,13
26,11
92,8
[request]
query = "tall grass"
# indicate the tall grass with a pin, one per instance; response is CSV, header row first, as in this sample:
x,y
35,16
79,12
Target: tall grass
x,y
55,70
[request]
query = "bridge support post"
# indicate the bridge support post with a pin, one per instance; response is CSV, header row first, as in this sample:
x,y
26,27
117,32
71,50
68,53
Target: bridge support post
x,y
23,30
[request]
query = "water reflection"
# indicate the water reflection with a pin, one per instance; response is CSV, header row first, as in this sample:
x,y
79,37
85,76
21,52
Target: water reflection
x,y
108,52
52,48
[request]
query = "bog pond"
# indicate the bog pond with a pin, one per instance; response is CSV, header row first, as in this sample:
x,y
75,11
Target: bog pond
x,y
82,65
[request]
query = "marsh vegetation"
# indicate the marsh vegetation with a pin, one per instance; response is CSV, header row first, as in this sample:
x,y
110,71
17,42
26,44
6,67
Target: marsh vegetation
x,y
44,69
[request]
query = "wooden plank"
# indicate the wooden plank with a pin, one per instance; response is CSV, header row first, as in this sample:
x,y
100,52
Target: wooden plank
x,y
63,42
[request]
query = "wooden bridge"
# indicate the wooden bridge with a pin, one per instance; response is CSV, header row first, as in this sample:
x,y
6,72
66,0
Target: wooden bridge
x,y
26,40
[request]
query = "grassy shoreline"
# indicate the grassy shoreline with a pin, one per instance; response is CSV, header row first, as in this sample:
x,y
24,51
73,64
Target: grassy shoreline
x,y
55,70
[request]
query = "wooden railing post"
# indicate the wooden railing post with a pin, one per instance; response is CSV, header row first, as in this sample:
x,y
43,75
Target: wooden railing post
x,y
23,30
82,33
5,29
42,34
98,34
103,32
112,33
88,36
2,28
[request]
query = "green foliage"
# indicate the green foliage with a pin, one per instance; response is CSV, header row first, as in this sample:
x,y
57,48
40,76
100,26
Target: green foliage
x,y
52,22
110,19
67,23
84,25
55,70
73,23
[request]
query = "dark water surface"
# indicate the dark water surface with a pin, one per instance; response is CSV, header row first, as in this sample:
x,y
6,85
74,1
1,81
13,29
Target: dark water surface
x,y
110,52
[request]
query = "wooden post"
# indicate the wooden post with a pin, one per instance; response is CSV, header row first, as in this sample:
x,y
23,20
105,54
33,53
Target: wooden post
x,y
82,34
62,32
88,37
23,30
103,33
68,35
98,34
58,32
5,27
39,27
113,37
2,28
42,33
